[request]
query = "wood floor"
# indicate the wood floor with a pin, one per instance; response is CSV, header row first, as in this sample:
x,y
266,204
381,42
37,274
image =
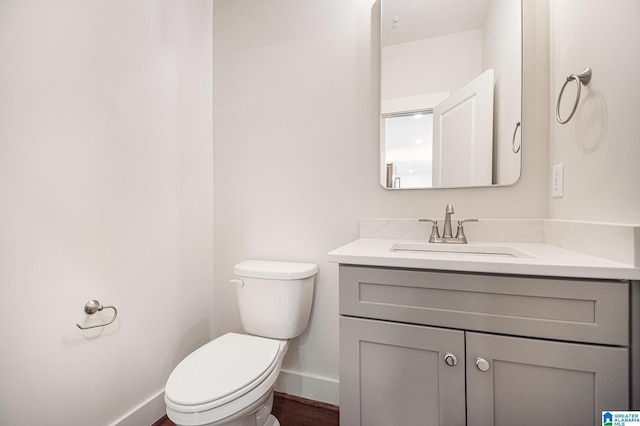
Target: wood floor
x,y
294,411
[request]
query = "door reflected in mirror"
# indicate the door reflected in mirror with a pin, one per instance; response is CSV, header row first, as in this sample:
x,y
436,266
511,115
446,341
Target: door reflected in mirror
x,y
451,83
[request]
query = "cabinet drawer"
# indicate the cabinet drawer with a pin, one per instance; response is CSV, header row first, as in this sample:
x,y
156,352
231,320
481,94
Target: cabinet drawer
x,y
595,311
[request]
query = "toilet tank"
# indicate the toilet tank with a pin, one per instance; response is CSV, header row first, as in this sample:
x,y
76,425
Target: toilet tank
x,y
275,297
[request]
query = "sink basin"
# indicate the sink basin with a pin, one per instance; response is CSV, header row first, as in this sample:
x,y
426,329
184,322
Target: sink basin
x,y
466,249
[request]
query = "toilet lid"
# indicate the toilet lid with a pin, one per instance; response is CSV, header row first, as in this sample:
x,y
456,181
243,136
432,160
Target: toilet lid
x,y
275,270
226,365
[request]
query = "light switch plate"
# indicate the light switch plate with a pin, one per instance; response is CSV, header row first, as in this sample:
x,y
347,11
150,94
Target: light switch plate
x,y
557,181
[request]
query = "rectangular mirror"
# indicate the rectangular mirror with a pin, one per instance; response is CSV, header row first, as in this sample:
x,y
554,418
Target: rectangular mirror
x,y
451,93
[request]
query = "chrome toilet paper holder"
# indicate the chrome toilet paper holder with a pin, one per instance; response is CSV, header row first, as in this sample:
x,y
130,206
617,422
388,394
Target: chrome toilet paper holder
x,y
93,306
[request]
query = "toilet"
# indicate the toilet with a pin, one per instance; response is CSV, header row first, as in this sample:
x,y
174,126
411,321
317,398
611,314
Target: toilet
x,y
230,380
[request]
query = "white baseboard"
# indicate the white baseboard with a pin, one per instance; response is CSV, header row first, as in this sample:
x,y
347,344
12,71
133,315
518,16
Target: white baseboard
x,y
307,386
145,413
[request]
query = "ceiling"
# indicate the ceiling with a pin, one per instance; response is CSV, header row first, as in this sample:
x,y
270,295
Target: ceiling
x,y
420,19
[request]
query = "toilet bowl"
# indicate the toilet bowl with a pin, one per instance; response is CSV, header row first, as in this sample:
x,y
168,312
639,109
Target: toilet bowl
x,y
230,380
226,379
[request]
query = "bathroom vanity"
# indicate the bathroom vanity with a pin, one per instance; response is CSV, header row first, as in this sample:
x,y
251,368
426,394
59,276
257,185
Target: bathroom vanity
x,y
509,333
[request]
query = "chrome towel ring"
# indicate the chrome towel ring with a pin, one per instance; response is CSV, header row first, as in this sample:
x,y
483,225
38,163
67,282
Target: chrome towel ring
x,y
583,78
513,140
94,306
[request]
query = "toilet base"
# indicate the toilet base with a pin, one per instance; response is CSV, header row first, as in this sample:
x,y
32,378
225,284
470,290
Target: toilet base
x,y
259,417
272,421
258,414
251,421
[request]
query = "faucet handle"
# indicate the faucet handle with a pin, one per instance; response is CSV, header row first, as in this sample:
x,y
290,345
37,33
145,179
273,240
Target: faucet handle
x,y
460,222
435,234
460,232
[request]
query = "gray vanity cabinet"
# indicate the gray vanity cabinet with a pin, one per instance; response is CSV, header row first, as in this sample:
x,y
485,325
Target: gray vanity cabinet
x,y
537,382
444,348
396,374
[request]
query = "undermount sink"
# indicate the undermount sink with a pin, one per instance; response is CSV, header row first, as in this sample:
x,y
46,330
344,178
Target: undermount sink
x,y
466,249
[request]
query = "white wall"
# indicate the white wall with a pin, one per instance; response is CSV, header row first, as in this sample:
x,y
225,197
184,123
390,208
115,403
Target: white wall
x,y
600,146
432,65
105,178
106,193
296,149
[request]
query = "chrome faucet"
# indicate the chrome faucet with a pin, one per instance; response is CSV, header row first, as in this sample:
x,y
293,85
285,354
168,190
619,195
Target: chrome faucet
x,y
447,222
447,234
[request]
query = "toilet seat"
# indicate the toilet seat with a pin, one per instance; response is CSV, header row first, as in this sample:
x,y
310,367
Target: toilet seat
x,y
211,404
225,375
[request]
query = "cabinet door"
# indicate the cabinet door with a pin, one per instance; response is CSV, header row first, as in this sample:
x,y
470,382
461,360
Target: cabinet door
x,y
537,382
397,374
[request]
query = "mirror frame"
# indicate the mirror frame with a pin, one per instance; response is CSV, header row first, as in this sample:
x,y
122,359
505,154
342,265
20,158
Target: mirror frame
x,y
518,149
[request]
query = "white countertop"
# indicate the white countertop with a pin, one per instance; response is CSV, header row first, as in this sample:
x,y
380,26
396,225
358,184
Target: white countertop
x,y
545,260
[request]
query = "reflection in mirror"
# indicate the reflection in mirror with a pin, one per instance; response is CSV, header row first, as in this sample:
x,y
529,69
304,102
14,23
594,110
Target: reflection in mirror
x,y
409,139
450,93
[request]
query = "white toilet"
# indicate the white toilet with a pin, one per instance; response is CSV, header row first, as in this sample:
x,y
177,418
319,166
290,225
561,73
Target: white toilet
x,y
230,380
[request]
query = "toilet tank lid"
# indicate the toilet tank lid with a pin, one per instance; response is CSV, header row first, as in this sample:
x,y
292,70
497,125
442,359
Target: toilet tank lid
x,y
275,270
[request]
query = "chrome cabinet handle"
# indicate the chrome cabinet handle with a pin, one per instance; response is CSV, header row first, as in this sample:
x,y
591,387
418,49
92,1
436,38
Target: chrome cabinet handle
x,y
482,364
450,359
